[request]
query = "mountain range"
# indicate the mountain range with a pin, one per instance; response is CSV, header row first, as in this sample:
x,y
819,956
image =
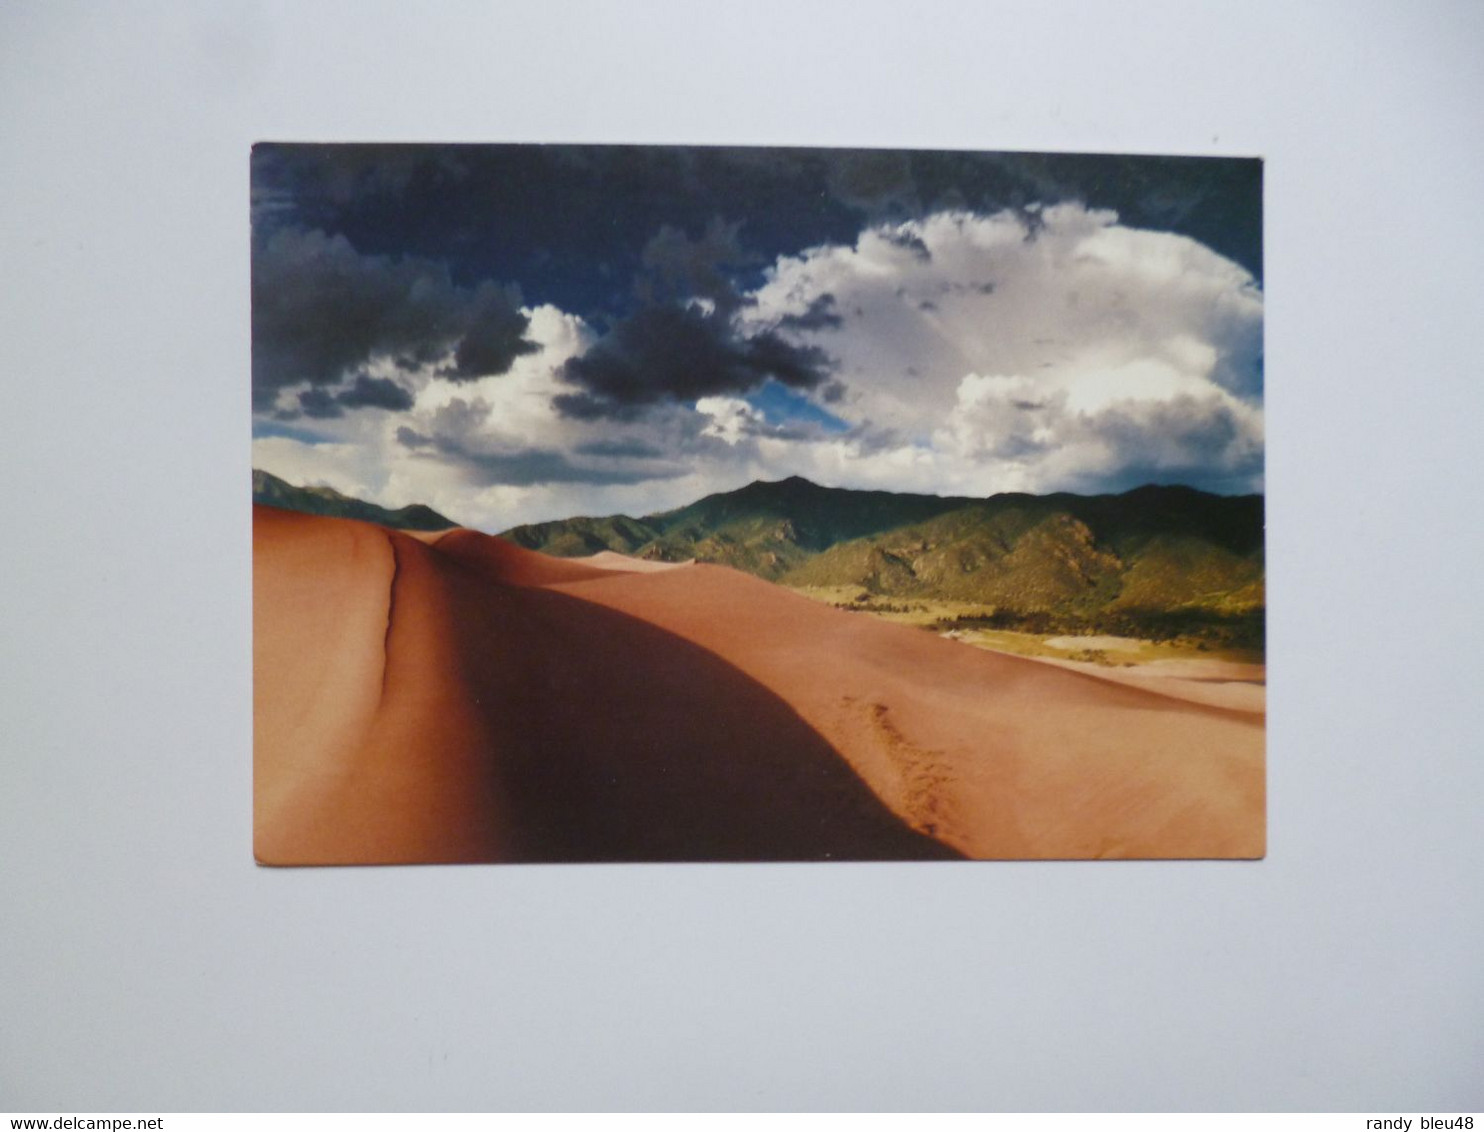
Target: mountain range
x,y
1144,554
1156,561
269,489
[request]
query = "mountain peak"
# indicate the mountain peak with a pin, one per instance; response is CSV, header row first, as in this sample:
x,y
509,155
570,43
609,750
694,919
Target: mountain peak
x,y
791,483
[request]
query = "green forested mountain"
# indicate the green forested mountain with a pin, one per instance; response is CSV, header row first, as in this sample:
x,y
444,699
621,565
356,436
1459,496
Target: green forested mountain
x,y
1150,560
1150,551
269,489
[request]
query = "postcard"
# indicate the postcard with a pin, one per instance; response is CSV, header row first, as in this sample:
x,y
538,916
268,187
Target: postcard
x,y
691,504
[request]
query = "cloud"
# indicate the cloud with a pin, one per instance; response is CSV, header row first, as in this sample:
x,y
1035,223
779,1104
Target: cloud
x,y
821,313
1036,439
375,392
340,174
495,336
1036,349
523,467
319,405
684,341
877,182
349,467
323,312
677,269
463,435
505,432
619,449
679,354
729,419
495,452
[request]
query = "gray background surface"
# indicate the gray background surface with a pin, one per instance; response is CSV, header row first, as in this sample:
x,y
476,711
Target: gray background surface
x,y
147,964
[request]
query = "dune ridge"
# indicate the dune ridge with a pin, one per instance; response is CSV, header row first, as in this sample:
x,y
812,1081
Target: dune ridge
x,y
460,698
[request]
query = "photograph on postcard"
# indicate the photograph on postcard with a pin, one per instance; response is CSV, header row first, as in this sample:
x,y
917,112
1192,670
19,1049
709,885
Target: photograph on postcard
x,y
667,504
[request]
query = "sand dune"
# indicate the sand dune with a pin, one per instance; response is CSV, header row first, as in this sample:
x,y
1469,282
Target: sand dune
x,y
612,560
1240,687
462,699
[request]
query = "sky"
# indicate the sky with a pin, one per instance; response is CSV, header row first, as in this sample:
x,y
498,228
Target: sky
x,y
512,334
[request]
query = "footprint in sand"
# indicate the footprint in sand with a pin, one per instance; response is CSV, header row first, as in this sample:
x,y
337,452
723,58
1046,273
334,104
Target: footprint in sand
x,y
927,776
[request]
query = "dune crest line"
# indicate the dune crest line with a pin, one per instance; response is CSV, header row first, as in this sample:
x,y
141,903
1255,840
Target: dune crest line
x,y
391,614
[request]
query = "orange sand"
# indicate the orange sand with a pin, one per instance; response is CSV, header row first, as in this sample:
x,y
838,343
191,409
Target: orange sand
x,y
458,698
1238,686
612,560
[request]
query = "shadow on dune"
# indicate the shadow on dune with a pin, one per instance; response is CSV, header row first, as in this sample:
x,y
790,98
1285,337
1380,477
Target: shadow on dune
x,y
428,701
619,741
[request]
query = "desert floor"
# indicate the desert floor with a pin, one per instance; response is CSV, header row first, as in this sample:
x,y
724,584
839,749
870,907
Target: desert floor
x,y
456,698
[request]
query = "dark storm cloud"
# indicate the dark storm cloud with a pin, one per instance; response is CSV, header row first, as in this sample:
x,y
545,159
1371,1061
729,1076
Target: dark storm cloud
x,y
549,216
908,241
879,183
310,180
375,393
1217,201
619,449
525,467
821,314
496,334
593,407
319,405
682,342
322,311
367,392
869,438
679,353
677,268
797,367
533,212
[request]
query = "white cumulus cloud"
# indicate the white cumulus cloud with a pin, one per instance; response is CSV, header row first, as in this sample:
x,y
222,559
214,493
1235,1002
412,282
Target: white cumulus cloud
x,y
1040,350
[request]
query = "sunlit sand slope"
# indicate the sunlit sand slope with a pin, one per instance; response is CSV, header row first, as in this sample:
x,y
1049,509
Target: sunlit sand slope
x,y
457,698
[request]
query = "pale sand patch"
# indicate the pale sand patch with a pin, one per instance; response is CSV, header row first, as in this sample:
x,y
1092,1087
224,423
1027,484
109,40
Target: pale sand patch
x,y
430,537
612,560
1106,644
1216,683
